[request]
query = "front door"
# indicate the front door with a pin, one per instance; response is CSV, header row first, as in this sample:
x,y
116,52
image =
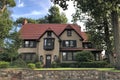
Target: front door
x,y
48,61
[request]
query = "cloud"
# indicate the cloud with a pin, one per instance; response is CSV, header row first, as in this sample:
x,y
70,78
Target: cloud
x,y
30,14
20,4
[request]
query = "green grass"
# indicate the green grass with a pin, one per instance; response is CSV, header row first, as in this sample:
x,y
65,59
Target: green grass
x,y
100,69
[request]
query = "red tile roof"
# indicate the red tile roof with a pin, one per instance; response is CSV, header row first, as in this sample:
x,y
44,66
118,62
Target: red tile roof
x,y
35,31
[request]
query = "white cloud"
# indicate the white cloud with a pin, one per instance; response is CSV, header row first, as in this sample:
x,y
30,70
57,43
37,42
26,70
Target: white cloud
x,y
32,13
20,4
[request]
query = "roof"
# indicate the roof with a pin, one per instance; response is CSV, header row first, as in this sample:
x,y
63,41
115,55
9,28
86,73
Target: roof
x,y
35,31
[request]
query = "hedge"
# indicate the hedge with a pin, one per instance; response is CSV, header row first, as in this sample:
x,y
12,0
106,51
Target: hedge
x,y
94,64
4,64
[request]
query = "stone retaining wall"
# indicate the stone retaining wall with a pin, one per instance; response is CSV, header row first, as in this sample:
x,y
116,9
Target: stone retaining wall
x,y
26,74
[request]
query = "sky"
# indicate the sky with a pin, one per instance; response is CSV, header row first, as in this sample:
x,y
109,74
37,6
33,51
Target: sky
x,y
39,8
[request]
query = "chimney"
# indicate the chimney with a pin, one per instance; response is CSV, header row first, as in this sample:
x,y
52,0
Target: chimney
x,y
24,22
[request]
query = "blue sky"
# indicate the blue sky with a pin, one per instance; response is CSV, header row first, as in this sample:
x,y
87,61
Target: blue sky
x,y
31,8
37,9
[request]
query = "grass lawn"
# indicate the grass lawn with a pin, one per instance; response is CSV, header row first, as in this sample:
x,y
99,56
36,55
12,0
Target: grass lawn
x,y
99,69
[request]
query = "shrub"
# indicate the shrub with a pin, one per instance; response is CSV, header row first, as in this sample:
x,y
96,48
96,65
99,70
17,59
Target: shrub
x,y
38,64
31,66
84,56
71,65
55,64
4,64
94,64
19,63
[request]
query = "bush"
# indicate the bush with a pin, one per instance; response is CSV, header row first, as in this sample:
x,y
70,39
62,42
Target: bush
x,y
70,65
94,64
19,63
55,64
84,56
4,64
38,65
31,66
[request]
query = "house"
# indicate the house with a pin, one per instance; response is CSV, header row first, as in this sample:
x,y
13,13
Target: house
x,y
51,42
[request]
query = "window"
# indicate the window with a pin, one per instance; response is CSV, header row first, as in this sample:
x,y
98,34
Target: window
x,y
69,32
87,45
49,43
49,34
29,44
69,43
28,56
68,56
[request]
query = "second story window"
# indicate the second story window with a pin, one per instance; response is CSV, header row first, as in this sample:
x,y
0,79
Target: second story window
x,y
87,45
29,44
69,32
69,43
49,43
49,34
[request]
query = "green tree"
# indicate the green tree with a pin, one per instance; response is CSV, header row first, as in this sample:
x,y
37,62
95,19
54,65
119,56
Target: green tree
x,y
12,44
96,9
54,16
84,56
6,3
5,26
5,20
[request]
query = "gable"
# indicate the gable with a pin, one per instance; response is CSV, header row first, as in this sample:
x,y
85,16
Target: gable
x,y
35,31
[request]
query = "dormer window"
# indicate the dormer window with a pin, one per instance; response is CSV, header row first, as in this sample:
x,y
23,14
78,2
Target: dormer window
x,y
69,32
49,34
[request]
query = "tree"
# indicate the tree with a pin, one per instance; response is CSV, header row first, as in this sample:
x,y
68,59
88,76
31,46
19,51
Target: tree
x,y
96,9
5,26
5,20
6,3
54,16
84,56
12,44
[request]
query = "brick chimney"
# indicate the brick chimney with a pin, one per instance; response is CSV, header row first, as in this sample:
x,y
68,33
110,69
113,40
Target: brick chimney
x,y
24,22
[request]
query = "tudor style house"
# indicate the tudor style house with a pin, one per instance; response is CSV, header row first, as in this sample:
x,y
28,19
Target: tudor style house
x,y
54,41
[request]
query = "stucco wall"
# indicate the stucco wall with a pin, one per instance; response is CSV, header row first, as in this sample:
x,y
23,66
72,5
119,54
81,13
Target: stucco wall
x,y
6,74
27,50
53,52
74,36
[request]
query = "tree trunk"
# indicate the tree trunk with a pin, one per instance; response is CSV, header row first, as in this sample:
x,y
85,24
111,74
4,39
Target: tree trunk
x,y
108,52
116,33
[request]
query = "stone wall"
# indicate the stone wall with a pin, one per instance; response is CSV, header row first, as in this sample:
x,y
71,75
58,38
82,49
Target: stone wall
x,y
26,74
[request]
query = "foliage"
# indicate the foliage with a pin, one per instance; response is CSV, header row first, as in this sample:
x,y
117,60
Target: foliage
x,y
12,45
102,10
55,64
4,64
84,56
70,65
31,65
38,64
6,3
5,26
54,16
93,64
19,63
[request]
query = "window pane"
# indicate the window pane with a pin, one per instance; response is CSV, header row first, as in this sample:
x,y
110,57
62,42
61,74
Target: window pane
x,y
64,54
67,43
74,56
69,56
31,43
69,32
